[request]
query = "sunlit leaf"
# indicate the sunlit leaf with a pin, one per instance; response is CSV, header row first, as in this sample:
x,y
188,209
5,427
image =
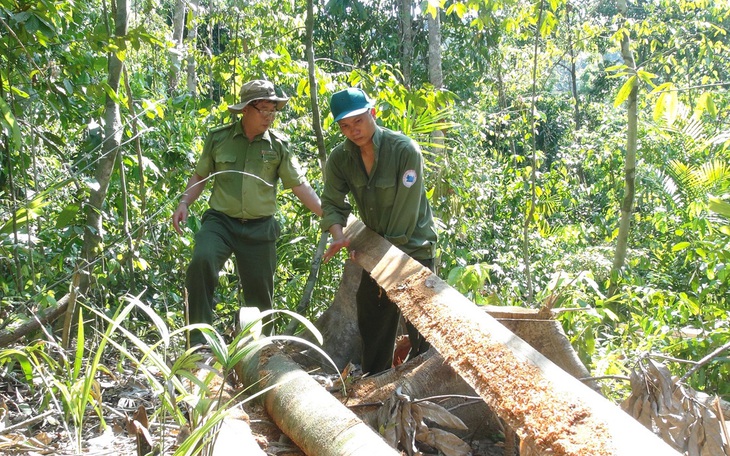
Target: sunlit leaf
x,y
9,120
625,91
719,206
680,246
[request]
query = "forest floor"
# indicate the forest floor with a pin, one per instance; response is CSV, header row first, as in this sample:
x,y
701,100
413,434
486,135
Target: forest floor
x,y
28,432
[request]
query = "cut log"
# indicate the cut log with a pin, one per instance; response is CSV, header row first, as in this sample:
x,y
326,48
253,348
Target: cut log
x,y
548,408
235,438
312,418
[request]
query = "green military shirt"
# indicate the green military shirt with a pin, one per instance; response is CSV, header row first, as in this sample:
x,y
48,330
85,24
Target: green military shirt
x,y
245,173
391,200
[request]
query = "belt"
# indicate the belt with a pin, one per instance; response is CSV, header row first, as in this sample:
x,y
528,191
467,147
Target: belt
x,y
256,220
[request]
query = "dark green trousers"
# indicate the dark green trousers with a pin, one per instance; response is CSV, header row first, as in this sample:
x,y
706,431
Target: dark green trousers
x,y
254,245
378,318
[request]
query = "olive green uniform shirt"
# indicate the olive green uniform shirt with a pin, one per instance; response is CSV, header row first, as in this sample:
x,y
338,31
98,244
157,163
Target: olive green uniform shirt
x,y
391,200
245,174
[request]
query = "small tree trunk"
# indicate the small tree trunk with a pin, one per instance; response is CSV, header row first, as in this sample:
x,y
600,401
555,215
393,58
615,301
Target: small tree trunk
x,y
627,205
406,19
110,149
192,71
178,53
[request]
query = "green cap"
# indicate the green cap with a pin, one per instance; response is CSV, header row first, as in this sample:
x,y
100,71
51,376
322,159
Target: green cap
x,y
258,89
349,102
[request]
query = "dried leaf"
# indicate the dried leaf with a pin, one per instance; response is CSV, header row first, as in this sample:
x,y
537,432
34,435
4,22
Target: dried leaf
x,y
387,421
141,416
44,438
407,438
446,442
439,415
683,417
144,439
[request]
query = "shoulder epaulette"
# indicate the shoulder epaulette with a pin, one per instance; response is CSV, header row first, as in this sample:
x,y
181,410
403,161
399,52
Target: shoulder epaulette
x,y
279,135
222,127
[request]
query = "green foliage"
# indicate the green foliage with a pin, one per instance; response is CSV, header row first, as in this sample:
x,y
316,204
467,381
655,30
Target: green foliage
x,y
73,384
672,297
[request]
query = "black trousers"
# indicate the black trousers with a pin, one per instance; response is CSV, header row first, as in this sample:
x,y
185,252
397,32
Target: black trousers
x,y
378,318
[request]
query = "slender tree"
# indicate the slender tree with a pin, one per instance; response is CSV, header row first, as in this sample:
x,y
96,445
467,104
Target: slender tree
x,y
192,72
407,38
105,165
627,205
178,52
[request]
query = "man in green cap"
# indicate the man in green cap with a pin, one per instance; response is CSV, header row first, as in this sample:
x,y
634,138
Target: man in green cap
x,y
245,160
382,171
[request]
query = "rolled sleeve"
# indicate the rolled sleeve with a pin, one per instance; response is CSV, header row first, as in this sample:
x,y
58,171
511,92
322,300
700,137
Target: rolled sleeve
x,y
291,172
335,206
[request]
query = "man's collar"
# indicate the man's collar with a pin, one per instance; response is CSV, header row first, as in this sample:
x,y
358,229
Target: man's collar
x,y
238,130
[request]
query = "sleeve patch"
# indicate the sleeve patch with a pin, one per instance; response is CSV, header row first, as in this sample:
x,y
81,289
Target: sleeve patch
x,y
409,178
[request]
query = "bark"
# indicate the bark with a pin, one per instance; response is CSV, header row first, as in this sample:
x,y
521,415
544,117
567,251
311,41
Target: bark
x,y
435,72
338,325
627,205
407,30
235,437
192,72
178,53
314,420
110,149
48,316
425,376
573,72
548,408
306,298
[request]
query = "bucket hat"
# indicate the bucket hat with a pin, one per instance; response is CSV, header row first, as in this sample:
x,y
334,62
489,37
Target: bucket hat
x,y
349,102
259,89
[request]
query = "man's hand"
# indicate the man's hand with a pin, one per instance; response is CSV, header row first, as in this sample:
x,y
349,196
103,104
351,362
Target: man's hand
x,y
180,216
335,246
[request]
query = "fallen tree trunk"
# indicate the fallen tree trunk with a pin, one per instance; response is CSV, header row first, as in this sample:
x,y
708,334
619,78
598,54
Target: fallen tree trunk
x,y
235,437
312,418
47,316
549,409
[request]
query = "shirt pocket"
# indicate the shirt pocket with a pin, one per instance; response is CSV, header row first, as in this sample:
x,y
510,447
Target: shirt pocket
x,y
385,190
225,165
268,165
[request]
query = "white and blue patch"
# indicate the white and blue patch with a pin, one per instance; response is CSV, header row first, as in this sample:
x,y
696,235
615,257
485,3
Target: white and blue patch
x,y
409,178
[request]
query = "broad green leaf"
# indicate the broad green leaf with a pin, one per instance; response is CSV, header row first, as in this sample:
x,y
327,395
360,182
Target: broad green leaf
x,y
719,206
458,8
67,215
625,91
680,246
646,76
9,120
662,88
706,104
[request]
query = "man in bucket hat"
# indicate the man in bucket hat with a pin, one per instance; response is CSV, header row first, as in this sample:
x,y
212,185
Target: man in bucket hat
x,y
245,159
382,171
